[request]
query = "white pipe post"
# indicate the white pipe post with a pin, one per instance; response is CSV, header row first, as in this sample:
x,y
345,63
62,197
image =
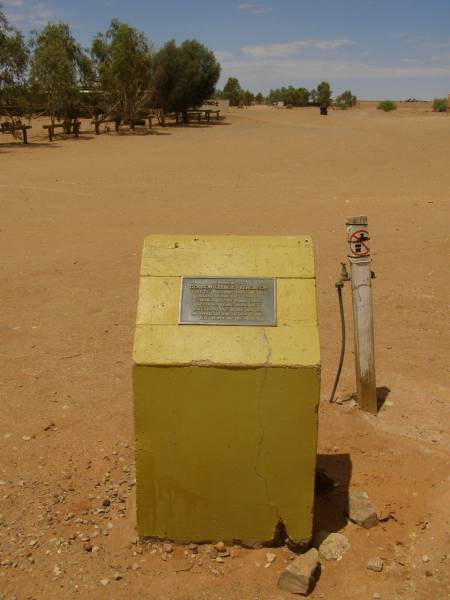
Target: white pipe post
x,y
361,282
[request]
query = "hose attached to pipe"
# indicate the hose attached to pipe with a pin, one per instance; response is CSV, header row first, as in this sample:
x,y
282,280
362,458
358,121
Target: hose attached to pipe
x,y
339,286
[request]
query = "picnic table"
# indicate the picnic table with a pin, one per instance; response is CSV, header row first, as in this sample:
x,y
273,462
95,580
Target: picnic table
x,y
51,128
202,112
118,121
12,127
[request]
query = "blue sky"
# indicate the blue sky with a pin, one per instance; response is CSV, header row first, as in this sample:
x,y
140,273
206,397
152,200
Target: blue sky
x,y
378,48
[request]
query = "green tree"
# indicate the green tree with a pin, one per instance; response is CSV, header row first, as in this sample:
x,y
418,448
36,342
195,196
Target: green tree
x,y
440,105
232,91
13,62
324,94
247,97
259,98
346,99
183,76
122,65
59,69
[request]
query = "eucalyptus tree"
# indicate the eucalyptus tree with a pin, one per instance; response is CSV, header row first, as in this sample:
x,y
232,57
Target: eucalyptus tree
x,y
183,76
122,65
60,70
13,63
232,91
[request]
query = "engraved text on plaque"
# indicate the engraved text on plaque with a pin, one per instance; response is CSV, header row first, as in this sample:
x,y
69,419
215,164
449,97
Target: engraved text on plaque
x,y
228,301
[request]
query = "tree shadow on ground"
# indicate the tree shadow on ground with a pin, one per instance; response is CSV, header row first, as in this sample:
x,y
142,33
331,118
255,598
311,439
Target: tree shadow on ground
x,y
333,476
18,145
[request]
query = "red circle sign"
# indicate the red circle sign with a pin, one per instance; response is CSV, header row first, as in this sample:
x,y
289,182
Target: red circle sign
x,y
359,243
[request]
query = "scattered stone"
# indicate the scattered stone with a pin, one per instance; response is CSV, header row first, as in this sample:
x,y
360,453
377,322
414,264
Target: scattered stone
x,y
425,558
95,549
117,577
211,551
219,559
135,566
376,596
168,548
360,509
271,557
334,546
300,575
106,502
193,548
428,574
88,547
26,438
104,581
57,571
375,564
220,547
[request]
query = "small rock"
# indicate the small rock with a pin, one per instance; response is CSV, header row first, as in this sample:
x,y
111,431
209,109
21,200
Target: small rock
x,y
375,564
300,575
211,551
376,596
95,549
360,509
220,547
168,548
104,581
425,558
88,547
106,502
57,570
219,559
428,573
117,577
271,557
193,548
334,546
135,566
26,438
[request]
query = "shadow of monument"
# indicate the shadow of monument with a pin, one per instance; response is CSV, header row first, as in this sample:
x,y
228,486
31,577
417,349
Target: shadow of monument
x,y
382,394
333,475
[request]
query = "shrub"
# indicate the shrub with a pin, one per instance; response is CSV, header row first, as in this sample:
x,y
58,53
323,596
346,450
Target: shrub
x,y
440,105
387,105
346,99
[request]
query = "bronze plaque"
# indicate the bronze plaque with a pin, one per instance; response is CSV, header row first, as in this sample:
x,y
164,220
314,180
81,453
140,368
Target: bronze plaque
x,y
228,301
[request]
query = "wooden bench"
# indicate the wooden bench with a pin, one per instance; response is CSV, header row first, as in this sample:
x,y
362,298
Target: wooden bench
x,y
117,122
51,129
210,111
10,128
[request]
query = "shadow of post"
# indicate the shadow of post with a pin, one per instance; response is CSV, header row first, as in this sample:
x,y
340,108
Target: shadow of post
x,y
333,475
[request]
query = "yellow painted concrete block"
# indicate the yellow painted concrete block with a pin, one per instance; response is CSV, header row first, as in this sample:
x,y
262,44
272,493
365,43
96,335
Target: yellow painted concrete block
x,y
226,416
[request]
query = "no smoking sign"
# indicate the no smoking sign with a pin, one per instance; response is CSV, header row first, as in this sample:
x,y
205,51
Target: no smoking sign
x,y
358,241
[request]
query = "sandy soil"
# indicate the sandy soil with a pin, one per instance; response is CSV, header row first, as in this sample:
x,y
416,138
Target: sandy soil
x,y
73,217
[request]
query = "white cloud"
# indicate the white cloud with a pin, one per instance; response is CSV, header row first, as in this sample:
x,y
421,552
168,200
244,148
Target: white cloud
x,y
223,55
290,48
261,73
254,8
30,13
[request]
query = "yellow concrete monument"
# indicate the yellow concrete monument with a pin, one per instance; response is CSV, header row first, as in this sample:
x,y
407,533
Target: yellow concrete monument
x,y
226,388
